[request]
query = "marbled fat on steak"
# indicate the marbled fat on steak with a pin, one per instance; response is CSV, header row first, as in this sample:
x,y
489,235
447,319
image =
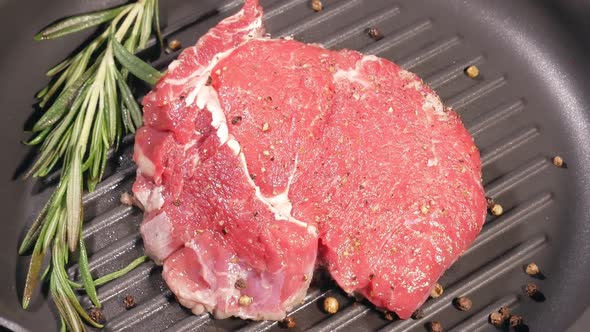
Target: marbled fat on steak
x,y
259,155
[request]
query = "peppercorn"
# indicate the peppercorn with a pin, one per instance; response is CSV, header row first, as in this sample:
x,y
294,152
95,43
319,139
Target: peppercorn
x,y
289,322
331,305
496,319
209,80
424,209
245,300
240,283
497,210
516,320
558,161
472,71
435,326
176,202
505,312
418,314
173,45
390,315
532,269
316,5
129,302
531,289
375,34
436,291
96,315
236,120
463,303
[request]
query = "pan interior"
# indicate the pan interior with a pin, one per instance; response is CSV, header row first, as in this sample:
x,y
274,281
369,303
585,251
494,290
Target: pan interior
x,y
527,105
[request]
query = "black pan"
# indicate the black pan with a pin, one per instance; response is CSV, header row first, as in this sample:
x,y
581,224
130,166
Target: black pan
x,y
530,103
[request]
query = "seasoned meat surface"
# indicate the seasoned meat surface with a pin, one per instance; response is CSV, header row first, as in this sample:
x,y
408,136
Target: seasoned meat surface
x,y
259,155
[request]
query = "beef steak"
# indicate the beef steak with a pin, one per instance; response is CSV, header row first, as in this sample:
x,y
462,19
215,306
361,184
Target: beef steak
x,y
260,154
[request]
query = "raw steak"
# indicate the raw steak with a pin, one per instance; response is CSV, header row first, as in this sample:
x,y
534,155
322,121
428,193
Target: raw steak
x,y
225,247
255,148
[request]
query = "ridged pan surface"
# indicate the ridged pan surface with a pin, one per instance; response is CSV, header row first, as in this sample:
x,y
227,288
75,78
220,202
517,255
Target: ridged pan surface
x,y
528,105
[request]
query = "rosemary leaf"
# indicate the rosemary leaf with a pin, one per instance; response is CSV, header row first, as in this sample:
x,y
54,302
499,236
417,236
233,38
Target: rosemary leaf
x,y
74,201
146,25
55,86
58,68
39,138
70,320
127,122
135,65
111,103
33,273
78,23
117,274
42,92
85,274
131,105
53,219
33,232
55,112
89,106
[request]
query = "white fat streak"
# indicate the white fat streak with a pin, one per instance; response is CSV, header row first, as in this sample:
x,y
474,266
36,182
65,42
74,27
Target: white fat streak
x,y
204,72
142,196
431,101
281,201
206,299
207,98
158,239
354,75
144,164
155,200
234,145
201,300
180,81
282,211
351,75
254,26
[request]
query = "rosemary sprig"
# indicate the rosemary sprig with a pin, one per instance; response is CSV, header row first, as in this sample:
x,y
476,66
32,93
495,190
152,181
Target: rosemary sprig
x,y
88,108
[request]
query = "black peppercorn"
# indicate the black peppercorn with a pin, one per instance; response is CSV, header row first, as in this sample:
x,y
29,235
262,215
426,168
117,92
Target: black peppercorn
x,y
96,315
418,314
496,319
531,289
236,119
505,312
129,302
463,303
375,34
435,326
289,322
515,320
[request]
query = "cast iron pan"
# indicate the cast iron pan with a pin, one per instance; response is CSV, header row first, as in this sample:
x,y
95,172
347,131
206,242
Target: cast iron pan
x,y
529,104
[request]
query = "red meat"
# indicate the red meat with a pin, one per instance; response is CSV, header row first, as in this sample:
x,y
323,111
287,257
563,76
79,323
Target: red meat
x,y
255,148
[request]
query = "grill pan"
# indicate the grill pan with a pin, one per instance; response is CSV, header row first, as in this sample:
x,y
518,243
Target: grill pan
x,y
529,104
